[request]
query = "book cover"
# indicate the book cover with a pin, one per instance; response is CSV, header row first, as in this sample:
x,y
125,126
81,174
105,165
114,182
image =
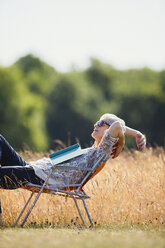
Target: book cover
x,y
66,154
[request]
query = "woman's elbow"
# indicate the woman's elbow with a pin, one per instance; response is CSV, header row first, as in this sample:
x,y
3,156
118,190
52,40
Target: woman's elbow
x,y
117,129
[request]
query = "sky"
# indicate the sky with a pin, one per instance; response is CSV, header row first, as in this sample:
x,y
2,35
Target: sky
x,y
68,33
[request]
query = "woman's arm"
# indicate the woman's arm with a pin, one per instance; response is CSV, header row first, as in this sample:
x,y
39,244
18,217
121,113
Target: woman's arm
x,y
131,132
120,131
140,138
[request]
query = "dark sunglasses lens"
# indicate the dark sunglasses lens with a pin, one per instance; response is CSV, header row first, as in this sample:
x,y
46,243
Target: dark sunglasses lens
x,y
100,123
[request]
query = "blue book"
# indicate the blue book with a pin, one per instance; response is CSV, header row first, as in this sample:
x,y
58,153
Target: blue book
x,y
66,154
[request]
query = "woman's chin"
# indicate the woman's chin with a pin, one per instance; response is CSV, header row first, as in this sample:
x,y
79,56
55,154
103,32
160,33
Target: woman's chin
x,y
93,135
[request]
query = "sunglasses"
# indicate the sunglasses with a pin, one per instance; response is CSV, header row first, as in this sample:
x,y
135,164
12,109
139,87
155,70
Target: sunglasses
x,y
101,123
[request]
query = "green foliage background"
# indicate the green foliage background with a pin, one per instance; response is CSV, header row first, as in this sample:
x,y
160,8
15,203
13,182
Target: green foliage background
x,y
40,105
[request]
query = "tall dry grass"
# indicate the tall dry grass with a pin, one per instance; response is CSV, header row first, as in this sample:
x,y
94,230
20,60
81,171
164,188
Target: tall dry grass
x,y
129,190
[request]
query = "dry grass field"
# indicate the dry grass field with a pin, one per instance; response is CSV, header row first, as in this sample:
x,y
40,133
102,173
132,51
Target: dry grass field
x,y
127,205
130,190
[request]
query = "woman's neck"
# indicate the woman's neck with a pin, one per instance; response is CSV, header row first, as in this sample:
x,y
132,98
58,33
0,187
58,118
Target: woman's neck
x,y
97,142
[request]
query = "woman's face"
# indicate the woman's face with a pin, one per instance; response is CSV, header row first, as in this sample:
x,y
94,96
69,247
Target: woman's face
x,y
99,129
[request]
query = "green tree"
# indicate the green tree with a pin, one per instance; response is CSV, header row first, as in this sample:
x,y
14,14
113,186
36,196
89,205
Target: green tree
x,y
101,76
21,113
38,76
73,107
38,104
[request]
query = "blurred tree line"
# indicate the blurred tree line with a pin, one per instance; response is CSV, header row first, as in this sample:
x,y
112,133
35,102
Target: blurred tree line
x,y
40,105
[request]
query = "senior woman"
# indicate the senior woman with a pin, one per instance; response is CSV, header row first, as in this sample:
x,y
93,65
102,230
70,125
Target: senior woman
x,y
109,135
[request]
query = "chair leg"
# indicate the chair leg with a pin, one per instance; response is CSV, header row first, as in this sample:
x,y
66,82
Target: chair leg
x,y
37,197
87,211
23,209
79,211
32,206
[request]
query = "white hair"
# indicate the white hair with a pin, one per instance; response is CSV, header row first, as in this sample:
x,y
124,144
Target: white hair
x,y
110,118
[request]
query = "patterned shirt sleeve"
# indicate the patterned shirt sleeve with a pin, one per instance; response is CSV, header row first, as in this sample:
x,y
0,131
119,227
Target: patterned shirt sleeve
x,y
107,142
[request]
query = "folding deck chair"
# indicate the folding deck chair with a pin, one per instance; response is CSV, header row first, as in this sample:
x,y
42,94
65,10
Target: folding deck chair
x,y
74,191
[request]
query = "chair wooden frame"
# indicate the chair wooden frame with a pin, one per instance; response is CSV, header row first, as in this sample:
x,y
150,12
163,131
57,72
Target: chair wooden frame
x,y
77,192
